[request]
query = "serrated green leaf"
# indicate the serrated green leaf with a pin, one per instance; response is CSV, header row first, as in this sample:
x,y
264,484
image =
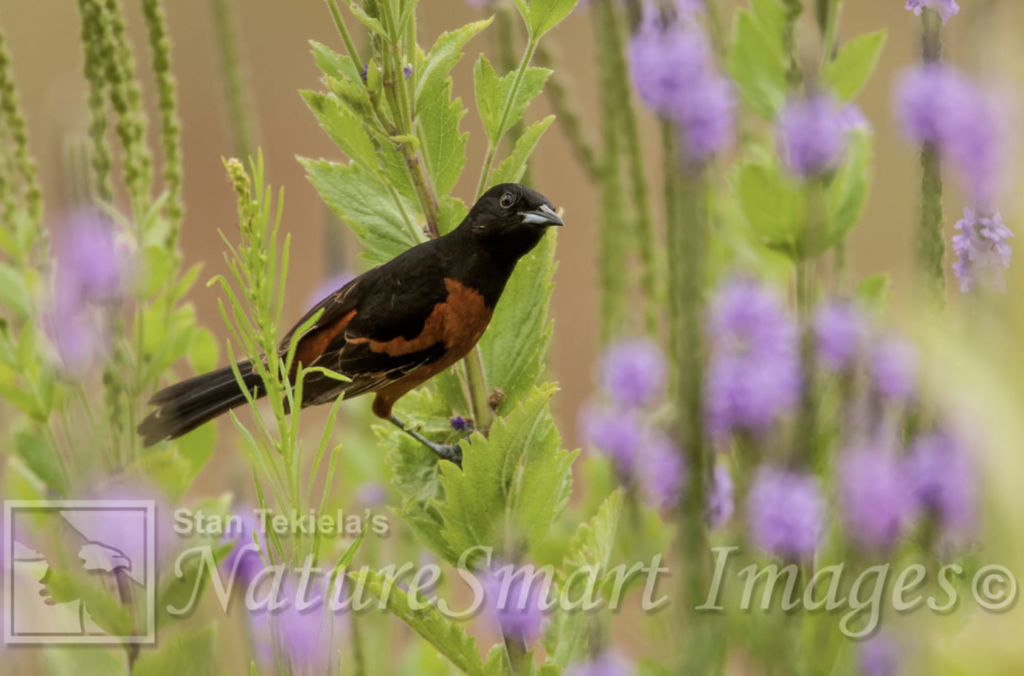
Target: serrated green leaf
x,y
365,204
856,61
757,63
511,169
513,485
344,128
451,213
772,204
41,457
515,345
489,96
335,65
848,193
494,95
369,21
449,638
192,651
594,540
13,292
543,15
446,52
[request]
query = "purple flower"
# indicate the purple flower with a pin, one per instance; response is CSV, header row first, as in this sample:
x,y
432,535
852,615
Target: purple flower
x,y
942,480
372,494
328,287
80,337
245,560
720,500
812,135
305,639
662,471
841,330
633,372
753,375
894,368
607,664
458,423
515,599
940,106
945,8
879,656
674,74
614,433
786,513
874,497
983,250
88,267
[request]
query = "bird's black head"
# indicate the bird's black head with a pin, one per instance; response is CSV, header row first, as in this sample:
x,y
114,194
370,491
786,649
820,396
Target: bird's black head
x,y
510,219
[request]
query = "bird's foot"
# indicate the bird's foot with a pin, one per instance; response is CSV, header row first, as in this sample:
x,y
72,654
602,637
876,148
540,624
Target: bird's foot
x,y
450,452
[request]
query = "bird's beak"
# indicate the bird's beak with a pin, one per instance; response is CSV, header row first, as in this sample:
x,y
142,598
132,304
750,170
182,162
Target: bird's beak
x,y
545,216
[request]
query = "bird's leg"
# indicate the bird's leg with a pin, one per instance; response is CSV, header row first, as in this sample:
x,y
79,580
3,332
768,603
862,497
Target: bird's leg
x,y
451,452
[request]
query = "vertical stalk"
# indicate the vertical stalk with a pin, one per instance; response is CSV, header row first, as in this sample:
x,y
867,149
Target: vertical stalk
x,y
931,246
241,120
505,34
568,116
92,37
10,109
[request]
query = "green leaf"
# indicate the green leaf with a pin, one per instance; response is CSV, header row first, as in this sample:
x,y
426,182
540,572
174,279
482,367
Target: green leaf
x,y
772,204
443,56
20,399
873,292
158,265
451,213
854,64
105,610
204,354
848,192
516,342
176,591
757,58
335,65
197,446
494,95
449,638
41,457
192,651
513,485
367,206
369,21
14,295
543,15
512,168
438,118
344,128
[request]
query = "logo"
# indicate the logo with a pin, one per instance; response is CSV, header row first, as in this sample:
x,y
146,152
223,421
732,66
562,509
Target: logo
x,y
79,571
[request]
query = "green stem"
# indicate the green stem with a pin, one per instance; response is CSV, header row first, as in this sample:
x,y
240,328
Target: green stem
x,y
568,116
243,128
639,188
505,35
794,8
350,46
11,112
830,28
931,245
476,382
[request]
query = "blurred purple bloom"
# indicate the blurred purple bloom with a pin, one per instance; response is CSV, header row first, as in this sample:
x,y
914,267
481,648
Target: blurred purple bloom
x,y
372,494
942,480
305,639
88,266
894,367
514,599
812,135
879,656
983,250
615,434
786,513
674,74
939,105
80,338
245,556
662,471
851,119
841,331
945,8
458,423
721,502
608,664
874,497
633,372
753,375
328,286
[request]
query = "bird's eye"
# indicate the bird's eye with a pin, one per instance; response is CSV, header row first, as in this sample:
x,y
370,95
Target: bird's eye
x,y
507,201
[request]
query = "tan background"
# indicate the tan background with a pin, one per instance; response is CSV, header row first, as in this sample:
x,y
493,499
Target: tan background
x,y
274,34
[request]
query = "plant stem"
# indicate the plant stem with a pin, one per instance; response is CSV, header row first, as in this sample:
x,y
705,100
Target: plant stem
x,y
243,127
476,382
350,46
504,32
931,245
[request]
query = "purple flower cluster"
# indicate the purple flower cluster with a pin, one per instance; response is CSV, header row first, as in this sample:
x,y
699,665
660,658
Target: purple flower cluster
x,y
90,273
608,664
674,73
632,378
945,8
515,600
941,478
721,502
894,368
812,135
873,496
841,333
303,630
879,656
938,105
753,377
983,251
245,560
786,513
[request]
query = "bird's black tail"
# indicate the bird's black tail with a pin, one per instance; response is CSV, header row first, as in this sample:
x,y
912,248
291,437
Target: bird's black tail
x,y
183,407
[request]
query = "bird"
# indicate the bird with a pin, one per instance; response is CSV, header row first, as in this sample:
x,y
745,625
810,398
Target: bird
x,y
390,329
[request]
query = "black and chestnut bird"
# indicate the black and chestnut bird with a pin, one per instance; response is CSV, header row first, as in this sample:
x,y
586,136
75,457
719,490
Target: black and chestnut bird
x,y
391,328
